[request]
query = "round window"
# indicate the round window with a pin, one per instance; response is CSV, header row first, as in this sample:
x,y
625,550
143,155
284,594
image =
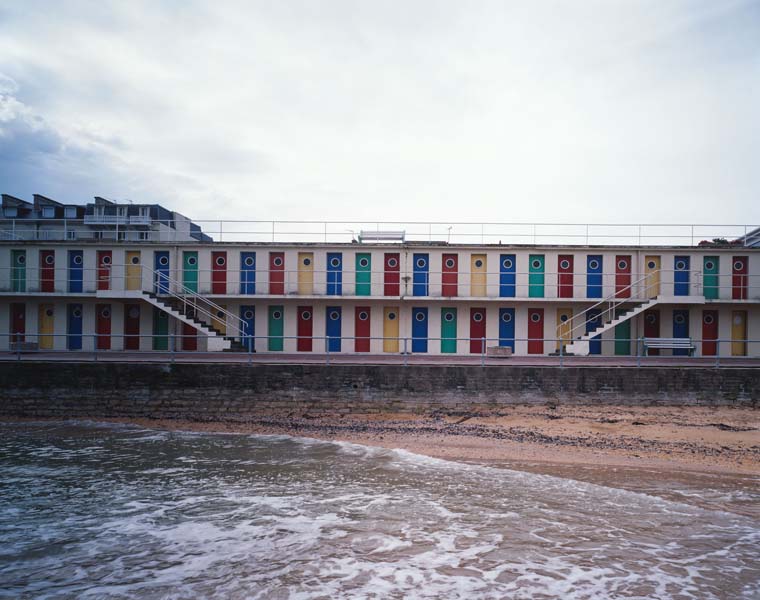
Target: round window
x,y
594,319
563,318
334,315
506,317
106,313
738,320
49,312
421,262
106,260
307,261
219,314
738,265
134,312
448,317
334,262
276,315
392,316
651,319
680,265
49,259
477,317
306,315
536,264
277,262
507,263
363,316
392,263
220,260
651,264
709,265
478,263
708,319
535,317
248,315
192,261
680,319
163,261
622,265
593,265
76,313
564,264
78,259
449,263
419,316
248,261
135,260
363,262
21,259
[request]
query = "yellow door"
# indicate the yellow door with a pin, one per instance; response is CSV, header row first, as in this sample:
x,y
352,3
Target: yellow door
x,y
652,271
219,322
738,333
563,325
390,329
305,273
46,327
133,271
478,275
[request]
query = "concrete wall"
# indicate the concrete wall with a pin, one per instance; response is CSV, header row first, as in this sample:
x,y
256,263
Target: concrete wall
x,y
240,392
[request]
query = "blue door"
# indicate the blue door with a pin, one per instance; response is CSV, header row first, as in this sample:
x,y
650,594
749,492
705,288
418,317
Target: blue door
x,y
74,327
507,327
421,276
161,267
681,276
420,329
248,273
594,267
248,316
76,271
681,329
507,276
333,328
334,273
594,320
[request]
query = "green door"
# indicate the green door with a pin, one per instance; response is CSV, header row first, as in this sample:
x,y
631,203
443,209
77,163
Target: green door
x,y
448,330
622,337
190,271
160,329
18,270
363,274
710,272
276,328
536,276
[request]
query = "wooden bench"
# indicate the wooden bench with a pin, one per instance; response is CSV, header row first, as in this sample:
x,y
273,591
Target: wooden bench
x,y
382,236
499,351
25,347
667,344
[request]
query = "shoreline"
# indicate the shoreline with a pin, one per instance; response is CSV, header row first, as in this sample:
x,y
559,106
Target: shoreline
x,y
720,440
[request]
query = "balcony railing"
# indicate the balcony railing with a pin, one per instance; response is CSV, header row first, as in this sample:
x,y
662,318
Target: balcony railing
x,y
105,219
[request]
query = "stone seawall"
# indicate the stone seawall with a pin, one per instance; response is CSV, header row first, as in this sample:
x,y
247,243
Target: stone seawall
x,y
241,392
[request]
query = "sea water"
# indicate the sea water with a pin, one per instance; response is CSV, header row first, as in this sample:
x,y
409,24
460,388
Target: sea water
x,y
96,511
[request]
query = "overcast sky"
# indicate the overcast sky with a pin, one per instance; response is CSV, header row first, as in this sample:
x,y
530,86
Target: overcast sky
x,y
583,111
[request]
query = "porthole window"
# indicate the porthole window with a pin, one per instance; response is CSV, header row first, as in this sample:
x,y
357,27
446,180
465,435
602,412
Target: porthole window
x,y
477,317
76,313
421,262
680,265
622,265
363,262
391,316
219,314
248,261
106,260
563,318
277,262
335,262
220,261
564,264
506,317
78,259
448,317
106,313
248,315
738,265
306,262
651,319
192,261
708,319
478,263
536,264
363,316
709,265
593,265
49,259
276,315
680,319
651,264
163,261
334,315
738,320
535,317
135,260
21,259
507,263
419,316
306,315
392,263
49,312
594,319
134,312
450,263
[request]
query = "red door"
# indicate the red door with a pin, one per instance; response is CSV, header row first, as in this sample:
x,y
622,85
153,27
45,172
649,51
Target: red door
x,y
218,272
391,275
18,321
740,272
709,332
449,276
276,272
477,330
305,328
652,327
103,324
47,270
131,326
622,276
535,331
362,321
104,269
565,276
189,337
